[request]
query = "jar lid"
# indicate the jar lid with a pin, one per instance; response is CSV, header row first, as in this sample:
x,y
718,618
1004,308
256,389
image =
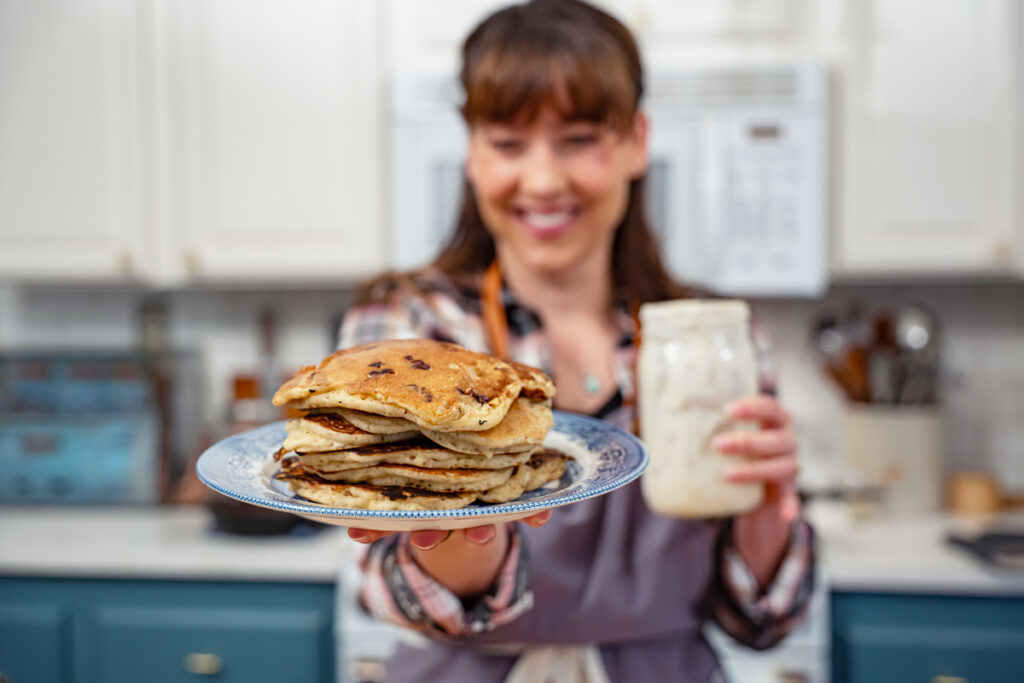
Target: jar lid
x,y
686,313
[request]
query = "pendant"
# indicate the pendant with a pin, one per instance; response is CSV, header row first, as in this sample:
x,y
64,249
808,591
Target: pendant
x,y
591,384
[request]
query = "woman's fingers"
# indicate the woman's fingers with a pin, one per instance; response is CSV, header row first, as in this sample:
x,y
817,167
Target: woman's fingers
x,y
789,507
482,534
538,520
763,408
478,535
780,469
427,539
431,538
366,535
766,442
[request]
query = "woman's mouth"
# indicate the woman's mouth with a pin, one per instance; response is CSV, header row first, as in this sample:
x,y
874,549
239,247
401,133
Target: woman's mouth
x,y
547,223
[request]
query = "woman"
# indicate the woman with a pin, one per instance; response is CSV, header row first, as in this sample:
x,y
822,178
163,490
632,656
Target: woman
x,y
550,258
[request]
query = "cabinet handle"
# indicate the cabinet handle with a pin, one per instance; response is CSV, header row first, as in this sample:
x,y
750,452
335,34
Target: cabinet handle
x,y
203,664
948,679
1002,256
126,262
192,263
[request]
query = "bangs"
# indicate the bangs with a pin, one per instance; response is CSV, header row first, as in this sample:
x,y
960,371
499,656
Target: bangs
x,y
582,80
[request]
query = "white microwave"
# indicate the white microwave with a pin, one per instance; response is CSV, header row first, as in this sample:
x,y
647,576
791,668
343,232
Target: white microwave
x,y
737,187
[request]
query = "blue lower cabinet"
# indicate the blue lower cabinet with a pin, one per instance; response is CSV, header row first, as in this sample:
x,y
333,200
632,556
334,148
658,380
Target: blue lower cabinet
x,y
927,638
33,639
125,631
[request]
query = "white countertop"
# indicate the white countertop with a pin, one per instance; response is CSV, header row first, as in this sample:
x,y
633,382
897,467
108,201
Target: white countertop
x,y
889,553
172,542
907,553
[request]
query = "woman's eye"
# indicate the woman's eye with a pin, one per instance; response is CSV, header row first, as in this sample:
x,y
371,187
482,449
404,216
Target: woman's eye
x,y
506,144
581,140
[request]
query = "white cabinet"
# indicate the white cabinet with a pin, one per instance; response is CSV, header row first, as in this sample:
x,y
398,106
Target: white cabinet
x,y
181,141
270,141
928,178
71,152
427,36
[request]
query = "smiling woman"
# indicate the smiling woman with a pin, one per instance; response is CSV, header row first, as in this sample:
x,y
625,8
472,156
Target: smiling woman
x,y
557,149
549,262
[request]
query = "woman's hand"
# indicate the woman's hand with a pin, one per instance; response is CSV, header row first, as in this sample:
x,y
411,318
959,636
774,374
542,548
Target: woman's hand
x,y
466,561
769,453
769,456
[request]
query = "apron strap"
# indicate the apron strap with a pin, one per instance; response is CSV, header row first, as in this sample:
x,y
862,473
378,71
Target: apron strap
x,y
493,311
492,308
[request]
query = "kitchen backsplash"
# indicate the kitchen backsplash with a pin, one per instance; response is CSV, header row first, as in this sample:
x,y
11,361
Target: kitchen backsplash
x,y
983,327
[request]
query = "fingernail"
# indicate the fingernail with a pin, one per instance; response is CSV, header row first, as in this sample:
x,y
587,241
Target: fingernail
x,y
722,442
481,535
358,535
425,540
732,473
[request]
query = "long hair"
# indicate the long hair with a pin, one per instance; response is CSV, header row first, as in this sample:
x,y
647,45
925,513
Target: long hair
x,y
517,61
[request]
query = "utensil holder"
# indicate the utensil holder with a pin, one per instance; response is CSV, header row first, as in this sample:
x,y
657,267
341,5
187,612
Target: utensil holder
x,y
899,449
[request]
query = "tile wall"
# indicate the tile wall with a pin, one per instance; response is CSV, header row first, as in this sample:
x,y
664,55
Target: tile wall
x,y
983,333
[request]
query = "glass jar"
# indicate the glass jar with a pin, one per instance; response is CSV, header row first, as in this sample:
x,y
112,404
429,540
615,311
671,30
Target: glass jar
x,y
696,356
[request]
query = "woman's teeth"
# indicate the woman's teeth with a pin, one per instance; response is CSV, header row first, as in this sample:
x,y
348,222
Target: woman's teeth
x,y
546,221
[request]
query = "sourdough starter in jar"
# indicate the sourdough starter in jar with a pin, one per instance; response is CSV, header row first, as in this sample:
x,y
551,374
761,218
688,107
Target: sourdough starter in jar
x,y
695,357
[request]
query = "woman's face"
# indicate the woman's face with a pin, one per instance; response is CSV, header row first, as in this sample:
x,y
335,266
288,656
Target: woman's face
x,y
552,191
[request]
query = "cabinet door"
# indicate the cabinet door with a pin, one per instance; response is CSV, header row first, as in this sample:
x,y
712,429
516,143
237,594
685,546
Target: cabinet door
x,y
130,631
928,172
32,640
271,141
171,643
70,146
927,638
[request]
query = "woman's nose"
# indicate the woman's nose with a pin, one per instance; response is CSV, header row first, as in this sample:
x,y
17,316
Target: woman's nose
x,y
543,173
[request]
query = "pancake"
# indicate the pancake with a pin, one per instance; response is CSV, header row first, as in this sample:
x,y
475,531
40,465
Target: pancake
x,y
524,428
417,457
438,385
331,432
370,497
536,384
426,478
377,424
539,470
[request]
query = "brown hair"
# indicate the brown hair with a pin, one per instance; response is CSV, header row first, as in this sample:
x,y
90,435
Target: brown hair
x,y
573,56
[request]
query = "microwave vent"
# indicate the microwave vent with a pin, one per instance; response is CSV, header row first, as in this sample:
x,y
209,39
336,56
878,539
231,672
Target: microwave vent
x,y
728,88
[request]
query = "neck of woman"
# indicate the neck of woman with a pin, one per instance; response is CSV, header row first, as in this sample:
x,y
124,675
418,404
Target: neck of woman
x,y
582,290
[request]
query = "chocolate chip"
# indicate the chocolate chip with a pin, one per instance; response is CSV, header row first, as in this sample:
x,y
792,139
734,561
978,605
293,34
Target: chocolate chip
x,y
479,398
378,373
423,391
417,363
376,364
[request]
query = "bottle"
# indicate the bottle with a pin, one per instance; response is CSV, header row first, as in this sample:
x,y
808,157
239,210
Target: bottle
x,y
696,356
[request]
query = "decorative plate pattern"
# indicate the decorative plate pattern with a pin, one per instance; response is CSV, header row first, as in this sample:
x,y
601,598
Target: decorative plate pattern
x,y
606,457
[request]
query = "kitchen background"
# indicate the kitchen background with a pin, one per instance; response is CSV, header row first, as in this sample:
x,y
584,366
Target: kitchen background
x,y
208,182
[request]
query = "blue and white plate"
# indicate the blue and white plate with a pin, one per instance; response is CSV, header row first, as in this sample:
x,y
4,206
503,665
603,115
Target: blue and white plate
x,y
605,458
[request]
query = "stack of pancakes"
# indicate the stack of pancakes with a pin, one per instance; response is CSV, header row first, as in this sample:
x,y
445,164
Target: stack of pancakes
x,y
417,425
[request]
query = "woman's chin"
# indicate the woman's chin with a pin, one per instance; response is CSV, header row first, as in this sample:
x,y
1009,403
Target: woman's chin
x,y
549,264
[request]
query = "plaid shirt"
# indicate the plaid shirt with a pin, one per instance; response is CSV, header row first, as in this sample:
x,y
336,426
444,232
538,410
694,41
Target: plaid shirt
x,y
396,589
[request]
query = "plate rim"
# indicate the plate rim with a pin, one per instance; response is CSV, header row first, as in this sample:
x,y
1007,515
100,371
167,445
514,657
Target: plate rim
x,y
625,439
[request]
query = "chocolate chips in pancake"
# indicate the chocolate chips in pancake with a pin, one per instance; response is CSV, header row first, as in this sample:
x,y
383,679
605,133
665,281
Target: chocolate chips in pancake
x,y
437,385
362,445
321,432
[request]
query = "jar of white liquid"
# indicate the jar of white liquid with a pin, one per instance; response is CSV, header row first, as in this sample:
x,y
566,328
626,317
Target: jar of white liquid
x,y
696,356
